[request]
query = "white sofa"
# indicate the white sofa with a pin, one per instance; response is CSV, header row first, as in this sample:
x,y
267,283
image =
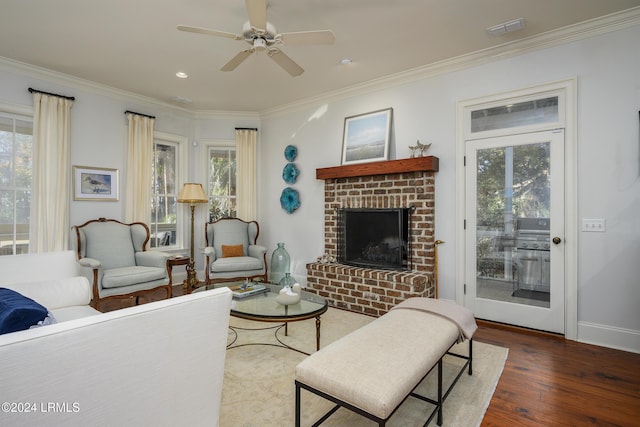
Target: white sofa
x,y
159,364
52,279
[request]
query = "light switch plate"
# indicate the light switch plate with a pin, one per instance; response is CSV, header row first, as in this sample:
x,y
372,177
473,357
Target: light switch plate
x,y
593,225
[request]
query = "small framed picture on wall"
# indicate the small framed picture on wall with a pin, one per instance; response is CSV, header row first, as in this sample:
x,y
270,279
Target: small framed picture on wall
x,y
93,183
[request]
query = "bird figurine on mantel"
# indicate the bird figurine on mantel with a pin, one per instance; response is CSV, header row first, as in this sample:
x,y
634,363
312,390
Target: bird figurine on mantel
x,y
419,149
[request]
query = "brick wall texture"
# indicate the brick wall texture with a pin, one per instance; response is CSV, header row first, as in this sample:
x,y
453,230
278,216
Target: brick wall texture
x,y
372,291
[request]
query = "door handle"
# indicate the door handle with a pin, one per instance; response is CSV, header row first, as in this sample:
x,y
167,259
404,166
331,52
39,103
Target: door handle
x,y
556,240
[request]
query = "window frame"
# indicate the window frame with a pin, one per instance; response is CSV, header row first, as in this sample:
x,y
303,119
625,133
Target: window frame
x,y
207,146
523,96
25,115
181,144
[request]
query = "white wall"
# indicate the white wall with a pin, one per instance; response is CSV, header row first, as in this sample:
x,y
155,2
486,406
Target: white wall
x,y
607,68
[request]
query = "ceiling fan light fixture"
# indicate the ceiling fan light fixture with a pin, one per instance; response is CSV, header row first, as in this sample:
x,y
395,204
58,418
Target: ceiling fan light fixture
x,y
249,32
259,43
181,74
345,61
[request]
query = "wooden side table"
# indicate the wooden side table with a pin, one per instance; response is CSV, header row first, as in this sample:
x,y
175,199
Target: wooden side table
x,y
179,260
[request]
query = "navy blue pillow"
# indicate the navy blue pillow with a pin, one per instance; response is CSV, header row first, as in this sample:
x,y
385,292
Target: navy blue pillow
x,y
18,312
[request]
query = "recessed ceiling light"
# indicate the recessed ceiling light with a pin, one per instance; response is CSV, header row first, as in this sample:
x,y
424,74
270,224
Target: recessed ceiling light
x,y
345,61
182,100
181,75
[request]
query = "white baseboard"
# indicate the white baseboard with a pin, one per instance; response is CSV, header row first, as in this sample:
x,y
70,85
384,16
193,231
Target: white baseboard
x,y
609,336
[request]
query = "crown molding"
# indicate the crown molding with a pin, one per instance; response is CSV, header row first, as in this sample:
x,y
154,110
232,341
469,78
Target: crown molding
x,y
568,34
213,114
18,109
77,83
74,82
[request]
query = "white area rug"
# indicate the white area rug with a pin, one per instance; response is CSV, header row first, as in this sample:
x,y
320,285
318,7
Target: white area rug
x,y
259,388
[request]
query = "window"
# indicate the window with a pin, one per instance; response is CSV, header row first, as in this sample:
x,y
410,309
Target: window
x,y
222,182
15,182
164,191
528,110
524,113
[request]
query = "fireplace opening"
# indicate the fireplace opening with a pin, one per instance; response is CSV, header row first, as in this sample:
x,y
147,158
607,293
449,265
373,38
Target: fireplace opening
x,y
375,238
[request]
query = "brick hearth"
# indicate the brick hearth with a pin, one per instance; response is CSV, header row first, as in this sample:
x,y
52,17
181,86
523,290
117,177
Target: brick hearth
x,y
378,185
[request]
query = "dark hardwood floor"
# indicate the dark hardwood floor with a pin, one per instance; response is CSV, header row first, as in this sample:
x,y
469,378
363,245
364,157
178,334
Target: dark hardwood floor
x,y
548,381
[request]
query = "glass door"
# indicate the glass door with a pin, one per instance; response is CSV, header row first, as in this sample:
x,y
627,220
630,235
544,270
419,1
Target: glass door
x,y
515,229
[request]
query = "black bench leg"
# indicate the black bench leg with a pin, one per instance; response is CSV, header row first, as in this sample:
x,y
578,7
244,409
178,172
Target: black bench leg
x,y
440,392
470,355
297,405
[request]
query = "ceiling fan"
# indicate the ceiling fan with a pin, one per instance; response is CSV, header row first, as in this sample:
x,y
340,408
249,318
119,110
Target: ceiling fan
x,y
262,36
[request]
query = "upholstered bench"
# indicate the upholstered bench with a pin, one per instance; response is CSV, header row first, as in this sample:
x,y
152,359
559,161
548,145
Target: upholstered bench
x,y
372,370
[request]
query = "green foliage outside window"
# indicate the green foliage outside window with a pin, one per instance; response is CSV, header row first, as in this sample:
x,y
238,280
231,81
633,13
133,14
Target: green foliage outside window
x,y
222,183
164,200
530,190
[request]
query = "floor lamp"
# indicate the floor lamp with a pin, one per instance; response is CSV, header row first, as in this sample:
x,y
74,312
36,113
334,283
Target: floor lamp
x,y
192,193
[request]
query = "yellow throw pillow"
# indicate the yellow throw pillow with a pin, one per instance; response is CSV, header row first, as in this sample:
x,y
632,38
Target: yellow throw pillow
x,y
231,251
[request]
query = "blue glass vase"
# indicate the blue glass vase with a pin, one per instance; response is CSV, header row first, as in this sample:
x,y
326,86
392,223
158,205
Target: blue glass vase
x,y
280,264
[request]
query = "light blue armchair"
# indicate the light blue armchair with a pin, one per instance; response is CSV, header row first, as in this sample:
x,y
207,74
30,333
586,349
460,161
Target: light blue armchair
x,y
231,252
113,256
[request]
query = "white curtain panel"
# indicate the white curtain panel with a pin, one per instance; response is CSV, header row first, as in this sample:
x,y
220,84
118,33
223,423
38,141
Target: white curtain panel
x,y
246,153
139,169
51,185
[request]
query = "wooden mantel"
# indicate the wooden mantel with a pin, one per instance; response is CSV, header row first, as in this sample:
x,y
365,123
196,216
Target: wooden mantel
x,y
416,164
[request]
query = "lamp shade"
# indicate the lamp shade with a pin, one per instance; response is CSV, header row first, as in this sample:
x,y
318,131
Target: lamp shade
x,y
192,193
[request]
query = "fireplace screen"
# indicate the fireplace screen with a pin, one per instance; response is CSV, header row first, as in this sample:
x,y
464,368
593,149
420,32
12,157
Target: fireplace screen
x,y
375,238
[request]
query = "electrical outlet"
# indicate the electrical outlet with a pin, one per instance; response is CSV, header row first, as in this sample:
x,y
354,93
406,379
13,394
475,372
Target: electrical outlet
x,y
593,225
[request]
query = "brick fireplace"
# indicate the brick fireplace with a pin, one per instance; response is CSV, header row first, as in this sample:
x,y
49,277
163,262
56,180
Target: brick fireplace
x,y
401,183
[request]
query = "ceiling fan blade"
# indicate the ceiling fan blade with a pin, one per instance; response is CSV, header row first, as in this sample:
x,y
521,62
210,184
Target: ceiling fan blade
x,y
199,30
257,11
236,60
307,37
285,62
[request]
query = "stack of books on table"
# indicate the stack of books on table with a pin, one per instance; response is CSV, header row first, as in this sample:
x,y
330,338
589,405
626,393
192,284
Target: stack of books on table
x,y
242,291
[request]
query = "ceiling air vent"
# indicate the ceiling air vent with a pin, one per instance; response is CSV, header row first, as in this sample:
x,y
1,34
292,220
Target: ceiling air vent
x,y
506,27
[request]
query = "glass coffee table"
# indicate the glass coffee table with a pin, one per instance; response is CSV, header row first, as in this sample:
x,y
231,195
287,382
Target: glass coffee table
x,y
263,307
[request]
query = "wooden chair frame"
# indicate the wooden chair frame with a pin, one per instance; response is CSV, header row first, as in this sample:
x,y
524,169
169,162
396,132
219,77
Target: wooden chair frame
x,y
96,299
209,280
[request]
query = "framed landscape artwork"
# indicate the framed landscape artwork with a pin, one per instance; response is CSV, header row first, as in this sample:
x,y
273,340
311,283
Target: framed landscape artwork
x,y
91,183
366,137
